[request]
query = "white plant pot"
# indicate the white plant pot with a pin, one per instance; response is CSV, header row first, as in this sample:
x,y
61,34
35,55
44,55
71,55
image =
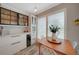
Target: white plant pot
x,y
54,36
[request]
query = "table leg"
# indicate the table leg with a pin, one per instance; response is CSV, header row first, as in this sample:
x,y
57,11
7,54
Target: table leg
x,y
39,48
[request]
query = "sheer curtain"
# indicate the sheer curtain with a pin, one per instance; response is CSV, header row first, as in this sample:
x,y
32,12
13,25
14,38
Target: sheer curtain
x,y
41,27
57,19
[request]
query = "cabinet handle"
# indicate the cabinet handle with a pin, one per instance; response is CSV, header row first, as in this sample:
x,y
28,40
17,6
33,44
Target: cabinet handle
x,y
15,36
16,43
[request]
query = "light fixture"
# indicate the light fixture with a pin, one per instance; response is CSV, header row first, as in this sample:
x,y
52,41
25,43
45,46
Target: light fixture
x,y
35,9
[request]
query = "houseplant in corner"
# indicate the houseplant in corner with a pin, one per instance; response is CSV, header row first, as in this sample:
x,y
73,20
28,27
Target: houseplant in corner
x,y
54,29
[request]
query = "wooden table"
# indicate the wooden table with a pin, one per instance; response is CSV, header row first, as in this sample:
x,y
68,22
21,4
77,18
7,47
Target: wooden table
x,y
65,48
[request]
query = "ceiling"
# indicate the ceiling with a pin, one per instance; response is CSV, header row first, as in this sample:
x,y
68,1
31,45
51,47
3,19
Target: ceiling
x,y
29,7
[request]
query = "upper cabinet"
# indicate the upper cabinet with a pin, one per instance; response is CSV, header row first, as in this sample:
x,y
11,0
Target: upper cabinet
x,y
9,17
14,18
26,20
23,20
5,16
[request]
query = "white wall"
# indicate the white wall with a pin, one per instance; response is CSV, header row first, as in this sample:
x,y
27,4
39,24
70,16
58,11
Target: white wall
x,y
72,14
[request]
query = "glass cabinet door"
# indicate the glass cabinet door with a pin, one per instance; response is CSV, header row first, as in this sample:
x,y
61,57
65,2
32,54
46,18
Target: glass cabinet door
x,y
26,20
5,16
13,18
21,19
9,17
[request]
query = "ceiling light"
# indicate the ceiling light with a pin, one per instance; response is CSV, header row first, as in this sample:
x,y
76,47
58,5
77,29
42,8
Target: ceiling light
x,y
35,10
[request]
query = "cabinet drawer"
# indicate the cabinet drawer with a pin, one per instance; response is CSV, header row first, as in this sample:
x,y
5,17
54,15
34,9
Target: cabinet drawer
x,y
12,48
17,46
12,44
4,49
8,40
9,45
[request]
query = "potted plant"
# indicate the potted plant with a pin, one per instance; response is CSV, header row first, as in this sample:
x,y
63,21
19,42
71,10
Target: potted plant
x,y
54,29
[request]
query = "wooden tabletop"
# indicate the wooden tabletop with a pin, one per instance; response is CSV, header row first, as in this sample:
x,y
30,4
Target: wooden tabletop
x,y
65,47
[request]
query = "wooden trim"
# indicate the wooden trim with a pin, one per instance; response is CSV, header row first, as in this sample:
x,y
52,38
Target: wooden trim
x,y
5,8
29,30
10,16
46,26
17,18
28,20
36,28
0,15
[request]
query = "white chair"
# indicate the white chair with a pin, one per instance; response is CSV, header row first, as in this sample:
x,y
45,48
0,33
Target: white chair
x,y
75,46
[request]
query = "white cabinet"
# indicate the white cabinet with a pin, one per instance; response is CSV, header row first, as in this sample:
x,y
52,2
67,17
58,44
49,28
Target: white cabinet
x,y
12,44
4,45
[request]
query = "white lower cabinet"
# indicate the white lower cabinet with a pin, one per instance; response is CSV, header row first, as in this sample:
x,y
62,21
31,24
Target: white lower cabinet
x,y
12,44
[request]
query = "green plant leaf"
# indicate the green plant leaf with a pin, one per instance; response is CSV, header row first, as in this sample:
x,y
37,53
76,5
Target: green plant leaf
x,y
53,28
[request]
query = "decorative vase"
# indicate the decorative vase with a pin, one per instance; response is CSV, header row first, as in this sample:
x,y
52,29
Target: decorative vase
x,y
54,36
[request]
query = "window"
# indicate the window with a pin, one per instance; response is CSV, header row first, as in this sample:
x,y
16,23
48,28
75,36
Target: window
x,y
41,27
57,19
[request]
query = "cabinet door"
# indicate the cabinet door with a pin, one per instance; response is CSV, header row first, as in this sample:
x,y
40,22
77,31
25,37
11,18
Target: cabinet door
x,y
21,19
25,20
23,39
4,46
14,18
5,16
18,44
11,45
5,19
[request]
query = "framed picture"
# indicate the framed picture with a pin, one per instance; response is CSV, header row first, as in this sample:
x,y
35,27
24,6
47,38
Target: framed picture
x,y
76,21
